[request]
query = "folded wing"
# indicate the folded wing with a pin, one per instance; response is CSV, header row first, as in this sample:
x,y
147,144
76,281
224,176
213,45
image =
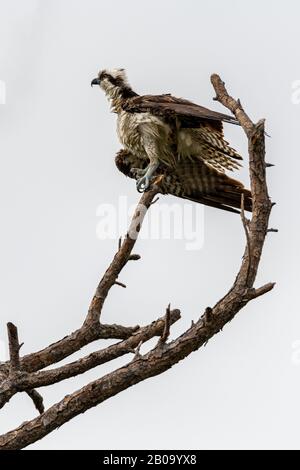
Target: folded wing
x,y
194,180
187,113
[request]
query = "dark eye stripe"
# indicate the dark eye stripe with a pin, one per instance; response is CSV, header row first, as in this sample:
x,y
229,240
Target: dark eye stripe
x,y
102,76
117,81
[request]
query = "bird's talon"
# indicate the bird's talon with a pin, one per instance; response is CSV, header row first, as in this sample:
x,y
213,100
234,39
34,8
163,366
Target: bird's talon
x,y
142,184
137,172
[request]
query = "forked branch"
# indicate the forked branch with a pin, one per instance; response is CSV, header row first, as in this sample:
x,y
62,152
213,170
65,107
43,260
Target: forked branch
x,y
166,353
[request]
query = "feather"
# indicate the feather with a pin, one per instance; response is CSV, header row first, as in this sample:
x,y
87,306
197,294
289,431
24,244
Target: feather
x,y
189,114
182,139
193,180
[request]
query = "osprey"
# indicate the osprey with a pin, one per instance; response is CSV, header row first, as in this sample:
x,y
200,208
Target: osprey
x,y
177,138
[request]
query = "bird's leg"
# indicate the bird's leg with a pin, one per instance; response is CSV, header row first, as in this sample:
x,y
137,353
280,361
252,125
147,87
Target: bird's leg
x,y
143,183
149,141
138,172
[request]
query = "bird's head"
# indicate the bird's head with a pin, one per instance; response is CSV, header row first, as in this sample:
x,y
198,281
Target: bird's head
x,y
115,85
109,79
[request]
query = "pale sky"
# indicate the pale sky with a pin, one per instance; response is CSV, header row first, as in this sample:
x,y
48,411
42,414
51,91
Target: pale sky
x,y
57,147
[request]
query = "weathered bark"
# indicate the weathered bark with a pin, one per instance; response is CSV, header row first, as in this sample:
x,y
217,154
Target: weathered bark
x,y
91,329
164,355
27,381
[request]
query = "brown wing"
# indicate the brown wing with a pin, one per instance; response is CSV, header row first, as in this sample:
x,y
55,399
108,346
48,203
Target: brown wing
x,y
195,181
168,106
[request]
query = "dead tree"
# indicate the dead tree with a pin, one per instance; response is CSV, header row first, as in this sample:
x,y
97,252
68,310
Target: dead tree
x,y
27,373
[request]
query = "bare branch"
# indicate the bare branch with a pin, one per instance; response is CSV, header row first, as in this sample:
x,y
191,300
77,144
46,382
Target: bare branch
x,y
15,372
166,331
118,283
37,400
121,257
245,222
234,106
154,201
74,342
134,258
14,348
91,329
137,354
48,377
254,293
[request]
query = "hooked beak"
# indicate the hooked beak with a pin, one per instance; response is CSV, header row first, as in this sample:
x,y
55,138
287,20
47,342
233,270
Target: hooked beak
x,y
96,81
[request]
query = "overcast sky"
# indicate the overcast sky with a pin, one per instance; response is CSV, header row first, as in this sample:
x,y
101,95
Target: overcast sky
x,y
57,147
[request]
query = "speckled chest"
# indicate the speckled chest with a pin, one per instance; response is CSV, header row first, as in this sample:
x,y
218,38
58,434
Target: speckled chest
x,y
132,128
129,132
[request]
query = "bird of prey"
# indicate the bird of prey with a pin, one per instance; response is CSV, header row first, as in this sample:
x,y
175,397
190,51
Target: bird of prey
x,y
173,137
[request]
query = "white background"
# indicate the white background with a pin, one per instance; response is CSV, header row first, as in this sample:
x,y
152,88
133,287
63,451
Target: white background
x,y
57,147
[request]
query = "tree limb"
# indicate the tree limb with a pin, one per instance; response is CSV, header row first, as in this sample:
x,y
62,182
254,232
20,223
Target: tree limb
x,y
70,344
14,348
91,329
49,377
15,371
121,257
37,399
